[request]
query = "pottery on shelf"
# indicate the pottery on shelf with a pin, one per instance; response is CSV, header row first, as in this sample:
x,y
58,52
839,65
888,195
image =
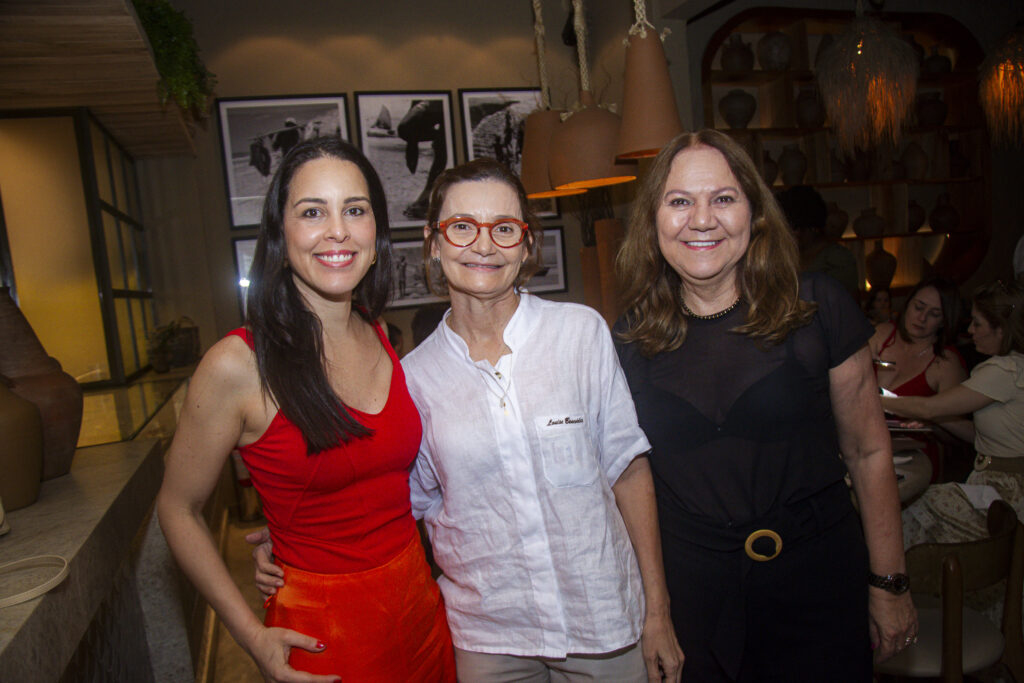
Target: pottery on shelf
x,y
931,109
39,378
769,169
869,224
858,169
936,63
737,108
835,222
737,55
774,51
837,168
944,217
916,216
879,266
21,454
810,112
915,161
792,165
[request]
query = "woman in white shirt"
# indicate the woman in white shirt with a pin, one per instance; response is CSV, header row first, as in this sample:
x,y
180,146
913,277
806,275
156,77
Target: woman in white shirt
x,y
532,477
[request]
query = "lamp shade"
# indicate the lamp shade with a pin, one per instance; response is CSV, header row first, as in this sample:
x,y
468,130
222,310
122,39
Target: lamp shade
x,y
650,117
582,153
1002,89
537,131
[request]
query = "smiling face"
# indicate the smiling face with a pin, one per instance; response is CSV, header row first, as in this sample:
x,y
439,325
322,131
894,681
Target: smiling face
x,y
329,229
703,219
482,270
923,318
987,339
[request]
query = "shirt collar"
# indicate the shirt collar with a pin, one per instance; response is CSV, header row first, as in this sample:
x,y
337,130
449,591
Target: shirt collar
x,y
517,329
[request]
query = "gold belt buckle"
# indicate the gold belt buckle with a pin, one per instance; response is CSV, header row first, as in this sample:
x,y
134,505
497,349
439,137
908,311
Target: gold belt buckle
x,y
748,546
981,462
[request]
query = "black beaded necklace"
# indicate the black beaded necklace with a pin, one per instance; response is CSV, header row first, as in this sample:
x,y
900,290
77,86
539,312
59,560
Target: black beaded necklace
x,y
713,316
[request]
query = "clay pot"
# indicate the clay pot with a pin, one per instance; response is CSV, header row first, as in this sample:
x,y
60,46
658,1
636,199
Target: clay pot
x,y
737,55
792,165
936,64
774,51
916,216
931,110
737,108
869,224
915,161
879,267
40,379
810,112
944,217
858,169
21,456
835,222
769,169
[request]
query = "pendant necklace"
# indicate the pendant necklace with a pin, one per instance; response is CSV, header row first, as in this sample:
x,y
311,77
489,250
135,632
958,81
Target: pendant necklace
x,y
503,397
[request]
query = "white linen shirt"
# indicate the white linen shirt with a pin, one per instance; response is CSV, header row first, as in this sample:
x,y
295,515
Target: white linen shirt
x,y
518,500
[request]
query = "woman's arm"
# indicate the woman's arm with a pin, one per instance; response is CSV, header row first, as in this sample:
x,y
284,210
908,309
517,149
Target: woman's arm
x,y
958,400
212,422
634,495
946,374
867,450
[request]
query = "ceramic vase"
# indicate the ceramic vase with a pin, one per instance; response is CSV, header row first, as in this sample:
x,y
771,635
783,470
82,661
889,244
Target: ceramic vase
x,y
769,169
792,165
915,161
916,216
39,378
936,63
869,224
737,108
774,51
944,217
879,267
810,112
931,110
835,222
21,455
737,55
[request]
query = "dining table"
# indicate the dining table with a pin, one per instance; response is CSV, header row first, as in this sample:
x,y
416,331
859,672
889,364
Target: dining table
x,y
912,465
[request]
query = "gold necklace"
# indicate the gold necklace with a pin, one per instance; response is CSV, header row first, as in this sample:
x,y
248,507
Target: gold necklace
x,y
713,316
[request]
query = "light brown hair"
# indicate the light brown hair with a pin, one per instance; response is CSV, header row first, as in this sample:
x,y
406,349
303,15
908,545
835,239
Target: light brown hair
x,y
1002,305
768,271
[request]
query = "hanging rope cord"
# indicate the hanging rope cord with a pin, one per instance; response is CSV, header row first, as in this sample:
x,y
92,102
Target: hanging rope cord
x,y
581,43
641,24
542,65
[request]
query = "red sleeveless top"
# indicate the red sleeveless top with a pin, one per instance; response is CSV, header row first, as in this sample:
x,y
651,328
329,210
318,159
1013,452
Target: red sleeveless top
x,y
345,509
918,384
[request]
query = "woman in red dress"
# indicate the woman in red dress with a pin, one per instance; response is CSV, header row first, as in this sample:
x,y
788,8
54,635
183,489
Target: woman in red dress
x,y
313,396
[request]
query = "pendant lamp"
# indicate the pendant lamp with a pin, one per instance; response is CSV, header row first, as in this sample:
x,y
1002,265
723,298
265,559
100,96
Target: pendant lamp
x,y
582,153
650,117
1001,89
538,128
867,78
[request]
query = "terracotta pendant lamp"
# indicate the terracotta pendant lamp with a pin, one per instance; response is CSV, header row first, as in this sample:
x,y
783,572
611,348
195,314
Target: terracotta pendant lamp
x,y
650,117
868,79
538,129
1001,89
582,153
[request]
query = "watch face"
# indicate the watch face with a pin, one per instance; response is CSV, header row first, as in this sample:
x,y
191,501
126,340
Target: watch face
x,y
900,583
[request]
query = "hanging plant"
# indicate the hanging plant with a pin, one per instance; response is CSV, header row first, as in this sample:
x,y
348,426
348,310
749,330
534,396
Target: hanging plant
x,y
183,76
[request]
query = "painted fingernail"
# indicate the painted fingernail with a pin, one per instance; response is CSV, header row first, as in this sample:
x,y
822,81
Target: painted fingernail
x,y
320,644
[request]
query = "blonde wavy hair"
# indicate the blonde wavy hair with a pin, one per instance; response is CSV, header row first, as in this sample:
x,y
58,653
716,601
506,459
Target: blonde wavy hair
x,y
767,273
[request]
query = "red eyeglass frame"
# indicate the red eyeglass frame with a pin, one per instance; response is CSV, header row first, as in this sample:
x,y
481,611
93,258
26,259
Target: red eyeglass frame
x,y
442,227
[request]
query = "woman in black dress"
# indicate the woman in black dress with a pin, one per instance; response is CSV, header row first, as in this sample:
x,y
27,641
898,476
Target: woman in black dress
x,y
754,386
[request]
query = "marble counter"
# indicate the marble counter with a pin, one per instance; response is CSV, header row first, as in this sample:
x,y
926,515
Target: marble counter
x,y
91,516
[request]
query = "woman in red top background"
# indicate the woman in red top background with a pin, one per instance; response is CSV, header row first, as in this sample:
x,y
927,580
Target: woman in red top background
x,y
314,398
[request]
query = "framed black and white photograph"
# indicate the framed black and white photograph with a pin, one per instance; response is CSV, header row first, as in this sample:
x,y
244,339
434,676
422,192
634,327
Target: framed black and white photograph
x,y
492,126
408,137
257,132
551,276
245,249
409,279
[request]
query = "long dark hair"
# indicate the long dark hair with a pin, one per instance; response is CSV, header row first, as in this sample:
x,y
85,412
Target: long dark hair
x,y
768,282
288,336
949,302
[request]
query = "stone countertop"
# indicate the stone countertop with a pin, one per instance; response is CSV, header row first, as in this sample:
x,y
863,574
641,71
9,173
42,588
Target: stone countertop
x,y
90,517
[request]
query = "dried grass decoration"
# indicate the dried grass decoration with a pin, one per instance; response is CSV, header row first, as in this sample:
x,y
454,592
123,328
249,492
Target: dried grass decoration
x,y
1002,89
867,79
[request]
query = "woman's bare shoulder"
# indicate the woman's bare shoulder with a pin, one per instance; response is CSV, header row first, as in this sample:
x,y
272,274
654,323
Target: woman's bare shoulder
x,y
229,364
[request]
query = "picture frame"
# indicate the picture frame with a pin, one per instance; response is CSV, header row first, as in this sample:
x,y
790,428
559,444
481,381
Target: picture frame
x,y
408,137
410,284
551,277
255,134
244,249
493,121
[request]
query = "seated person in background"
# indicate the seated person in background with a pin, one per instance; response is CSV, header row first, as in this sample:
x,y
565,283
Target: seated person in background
x,y
806,213
878,307
995,394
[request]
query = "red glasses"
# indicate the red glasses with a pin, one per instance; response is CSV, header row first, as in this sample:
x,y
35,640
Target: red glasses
x,y
462,232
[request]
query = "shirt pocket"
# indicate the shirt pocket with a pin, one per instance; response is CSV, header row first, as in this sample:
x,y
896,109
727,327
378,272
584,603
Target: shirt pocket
x,y
566,454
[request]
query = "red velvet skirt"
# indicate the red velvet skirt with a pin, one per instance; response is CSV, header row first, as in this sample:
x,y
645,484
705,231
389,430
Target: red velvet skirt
x,y
385,624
